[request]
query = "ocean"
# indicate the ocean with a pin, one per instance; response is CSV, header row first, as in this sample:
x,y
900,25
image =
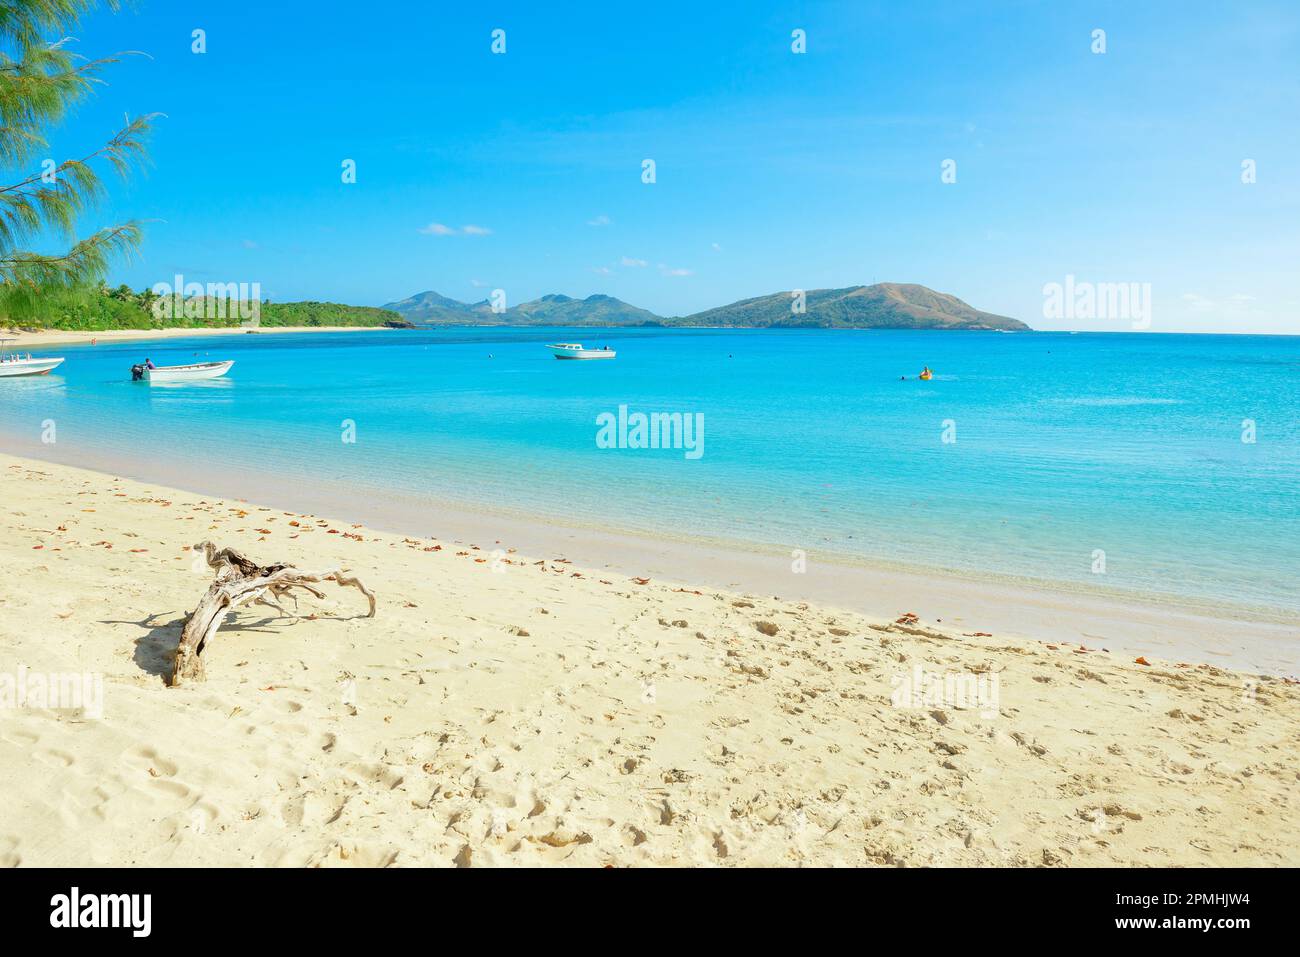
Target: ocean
x,y
1164,466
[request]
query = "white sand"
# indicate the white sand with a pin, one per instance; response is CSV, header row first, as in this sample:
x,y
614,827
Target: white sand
x,y
500,712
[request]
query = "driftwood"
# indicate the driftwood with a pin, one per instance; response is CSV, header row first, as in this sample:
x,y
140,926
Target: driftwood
x,y
241,581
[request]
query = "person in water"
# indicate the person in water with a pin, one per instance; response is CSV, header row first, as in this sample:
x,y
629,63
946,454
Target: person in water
x,y
926,372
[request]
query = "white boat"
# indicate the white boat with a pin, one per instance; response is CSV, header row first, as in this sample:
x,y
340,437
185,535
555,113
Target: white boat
x,y
199,370
14,364
574,350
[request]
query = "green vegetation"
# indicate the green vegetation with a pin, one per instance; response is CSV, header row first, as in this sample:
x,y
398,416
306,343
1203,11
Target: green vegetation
x,y
86,309
329,314
40,80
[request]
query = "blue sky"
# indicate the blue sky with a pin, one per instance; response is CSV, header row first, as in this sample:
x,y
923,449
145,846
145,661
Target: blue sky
x,y
774,170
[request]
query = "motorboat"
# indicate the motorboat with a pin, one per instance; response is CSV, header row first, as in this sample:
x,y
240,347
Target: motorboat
x,y
198,370
16,364
575,350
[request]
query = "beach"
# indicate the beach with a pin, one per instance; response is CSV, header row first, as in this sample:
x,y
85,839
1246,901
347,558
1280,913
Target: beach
x,y
43,338
517,708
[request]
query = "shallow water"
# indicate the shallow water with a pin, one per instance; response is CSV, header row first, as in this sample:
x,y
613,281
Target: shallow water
x,y
1059,447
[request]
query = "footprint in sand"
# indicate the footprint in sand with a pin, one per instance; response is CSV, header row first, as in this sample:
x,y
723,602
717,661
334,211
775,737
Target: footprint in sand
x,y
20,739
9,856
376,774
355,854
312,809
105,793
55,758
172,789
148,760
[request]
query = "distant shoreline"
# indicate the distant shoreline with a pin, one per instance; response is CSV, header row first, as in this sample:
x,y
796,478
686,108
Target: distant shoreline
x,y
67,336
49,337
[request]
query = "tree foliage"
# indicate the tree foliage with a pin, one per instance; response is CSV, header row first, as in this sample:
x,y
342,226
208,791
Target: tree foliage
x,y
95,309
41,79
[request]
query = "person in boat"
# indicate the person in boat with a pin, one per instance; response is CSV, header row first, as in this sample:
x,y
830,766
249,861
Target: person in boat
x,y
148,364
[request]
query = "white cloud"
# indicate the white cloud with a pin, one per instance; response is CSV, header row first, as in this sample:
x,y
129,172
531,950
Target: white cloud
x,y
676,272
439,229
629,261
603,270
477,283
601,220
717,248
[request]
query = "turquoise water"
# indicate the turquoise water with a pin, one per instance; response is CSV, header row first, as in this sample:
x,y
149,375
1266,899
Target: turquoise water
x,y
1064,444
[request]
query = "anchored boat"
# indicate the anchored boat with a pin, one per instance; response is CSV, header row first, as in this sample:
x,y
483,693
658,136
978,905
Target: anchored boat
x,y
574,350
199,370
14,364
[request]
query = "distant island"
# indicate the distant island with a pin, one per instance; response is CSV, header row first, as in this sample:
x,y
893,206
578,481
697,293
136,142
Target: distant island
x,y
101,309
885,305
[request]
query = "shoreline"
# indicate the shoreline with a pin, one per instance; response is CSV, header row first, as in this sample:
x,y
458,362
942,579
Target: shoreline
x,y
515,709
1132,625
50,337
55,337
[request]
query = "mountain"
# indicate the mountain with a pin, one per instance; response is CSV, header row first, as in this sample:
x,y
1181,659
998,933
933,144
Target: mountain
x,y
596,310
886,305
431,308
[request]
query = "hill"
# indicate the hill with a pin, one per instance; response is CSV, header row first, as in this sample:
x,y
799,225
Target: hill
x,y
431,308
881,306
885,305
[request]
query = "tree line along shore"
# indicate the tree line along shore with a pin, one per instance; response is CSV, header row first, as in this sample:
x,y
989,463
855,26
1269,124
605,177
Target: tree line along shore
x,y
104,308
